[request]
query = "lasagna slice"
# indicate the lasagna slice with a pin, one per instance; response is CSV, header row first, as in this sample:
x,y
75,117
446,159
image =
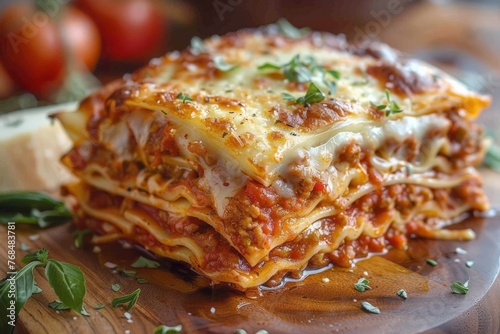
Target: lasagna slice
x,y
254,155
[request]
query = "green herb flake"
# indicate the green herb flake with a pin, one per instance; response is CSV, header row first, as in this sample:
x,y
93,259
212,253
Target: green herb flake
x,y
287,29
459,287
162,329
183,97
141,280
431,262
79,235
99,307
402,293
143,262
362,285
57,305
116,287
261,331
391,107
25,247
221,64
131,299
313,95
370,308
196,46
469,264
126,272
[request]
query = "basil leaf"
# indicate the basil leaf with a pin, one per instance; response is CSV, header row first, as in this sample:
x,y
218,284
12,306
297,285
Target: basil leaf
x,y
370,308
68,283
36,289
143,262
116,287
162,329
402,293
131,299
12,300
57,305
287,29
460,288
313,95
287,96
40,255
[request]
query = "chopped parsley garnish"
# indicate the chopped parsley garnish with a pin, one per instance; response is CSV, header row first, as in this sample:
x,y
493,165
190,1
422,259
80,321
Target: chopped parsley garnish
x,y
183,97
196,46
221,64
313,95
362,285
126,272
304,70
141,280
131,299
143,262
370,308
287,29
431,262
162,329
391,107
459,287
402,293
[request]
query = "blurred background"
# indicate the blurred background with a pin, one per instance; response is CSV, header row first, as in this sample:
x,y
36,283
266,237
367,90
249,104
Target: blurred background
x,y
57,50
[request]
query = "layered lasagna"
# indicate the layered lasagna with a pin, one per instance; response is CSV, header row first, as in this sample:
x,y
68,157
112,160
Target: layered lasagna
x,y
257,155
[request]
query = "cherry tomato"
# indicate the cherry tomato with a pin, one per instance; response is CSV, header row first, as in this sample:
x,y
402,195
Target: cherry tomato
x,y
131,30
35,46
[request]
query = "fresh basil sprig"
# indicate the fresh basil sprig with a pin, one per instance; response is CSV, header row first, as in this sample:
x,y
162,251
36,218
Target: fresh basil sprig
x,y
66,280
32,207
391,107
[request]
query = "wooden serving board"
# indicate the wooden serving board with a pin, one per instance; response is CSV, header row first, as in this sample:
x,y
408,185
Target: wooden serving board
x,y
322,303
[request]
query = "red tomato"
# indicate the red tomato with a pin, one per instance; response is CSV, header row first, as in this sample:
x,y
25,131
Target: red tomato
x,y
131,30
32,48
